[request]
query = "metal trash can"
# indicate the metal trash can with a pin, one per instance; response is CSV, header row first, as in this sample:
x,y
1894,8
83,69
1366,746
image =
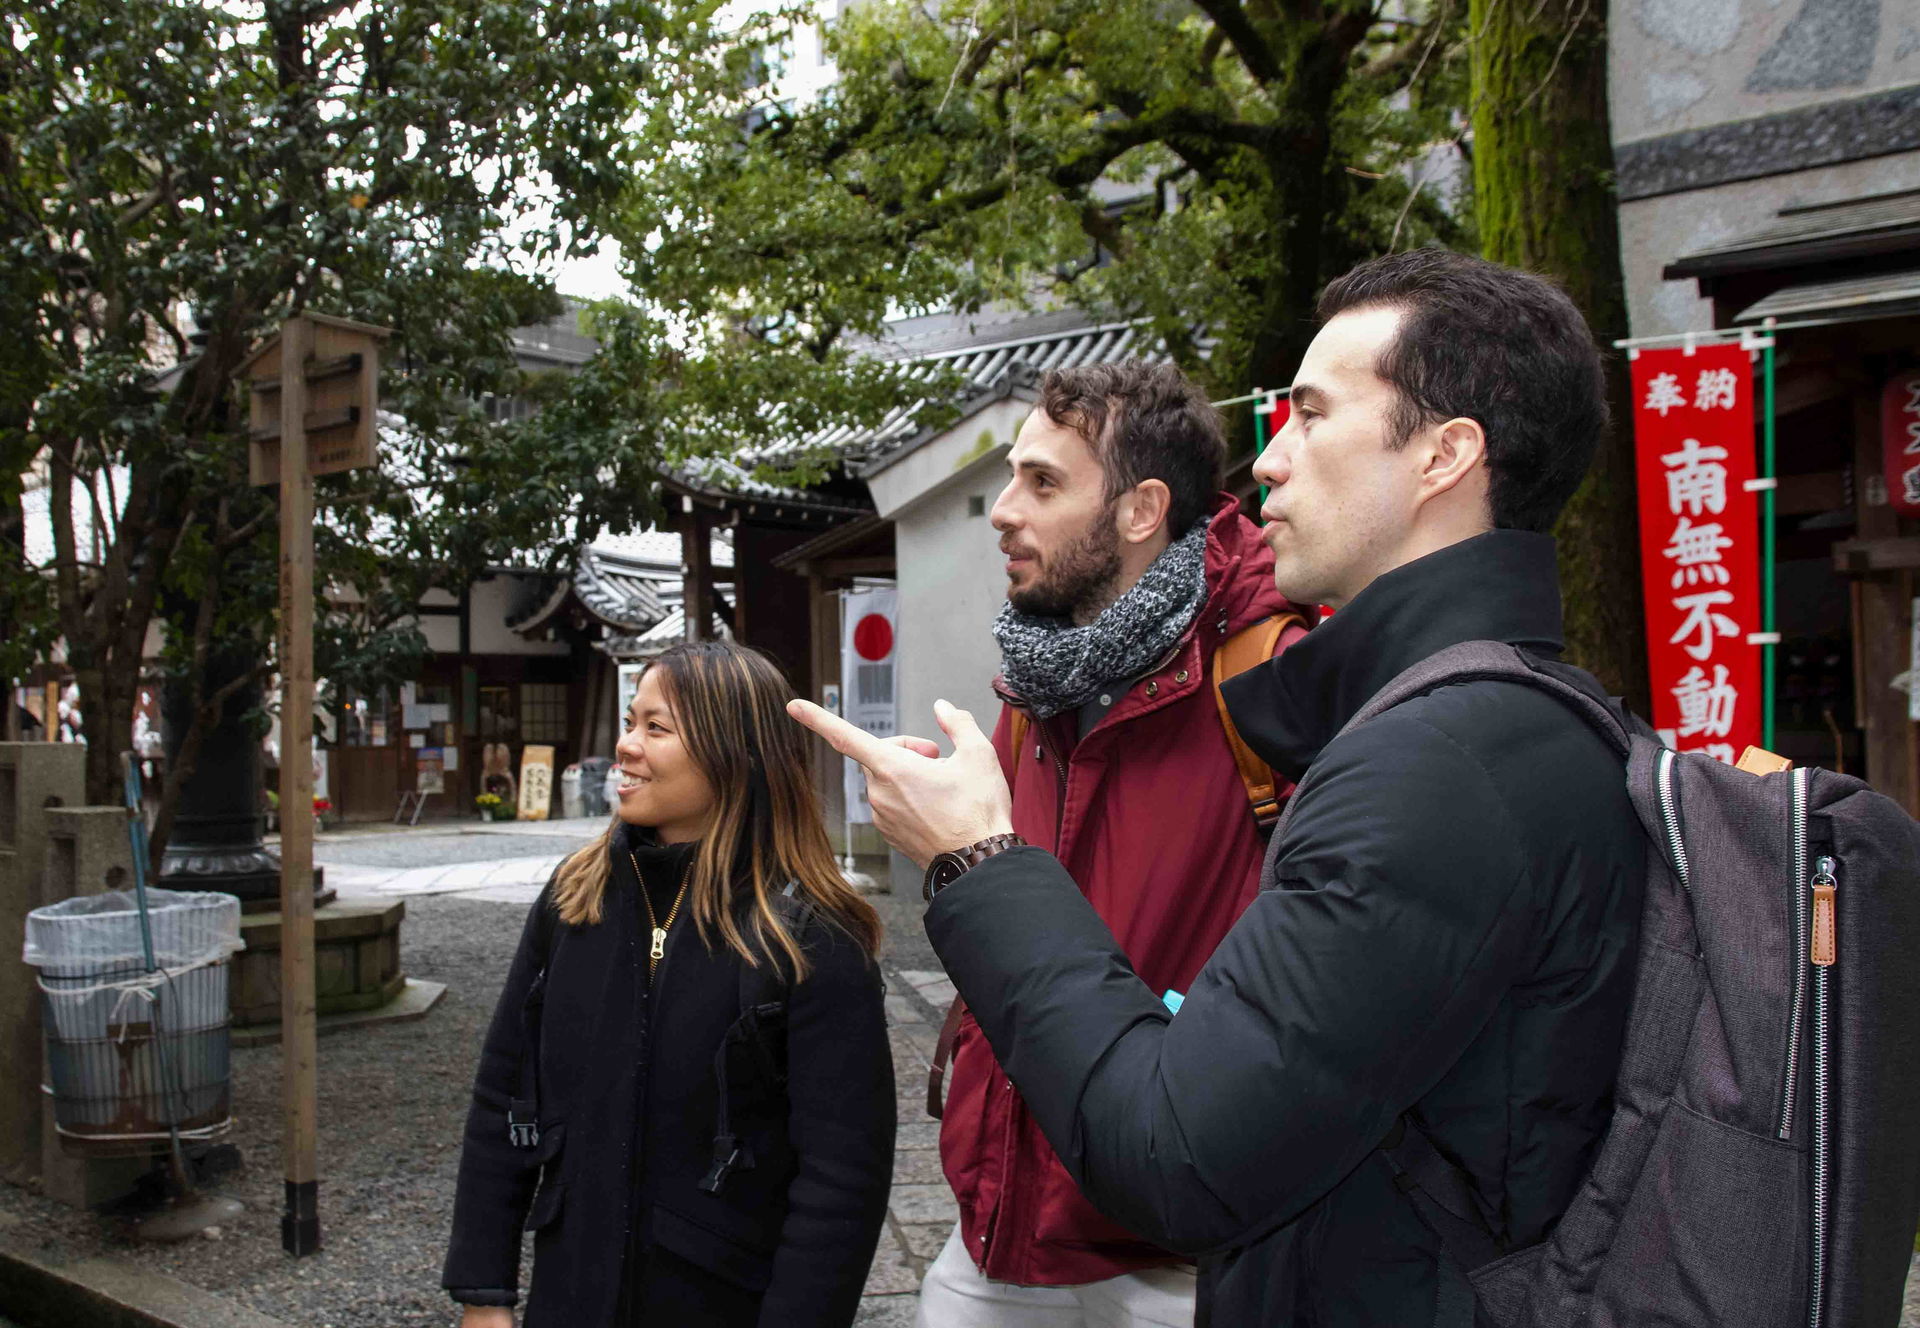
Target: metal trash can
x,y
571,802
594,773
135,1053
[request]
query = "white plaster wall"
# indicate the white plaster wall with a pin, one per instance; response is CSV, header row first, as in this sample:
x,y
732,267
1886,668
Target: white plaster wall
x,y
928,469
950,573
489,632
1684,64
1656,231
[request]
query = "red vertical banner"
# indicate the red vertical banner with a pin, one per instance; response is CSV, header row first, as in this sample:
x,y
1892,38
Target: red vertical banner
x,y
1900,442
1699,545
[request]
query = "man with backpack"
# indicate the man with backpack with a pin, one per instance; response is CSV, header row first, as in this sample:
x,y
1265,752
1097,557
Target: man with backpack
x,y
1400,1061
1134,588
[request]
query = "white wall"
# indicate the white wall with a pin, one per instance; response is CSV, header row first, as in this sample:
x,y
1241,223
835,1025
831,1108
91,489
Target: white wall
x,y
951,574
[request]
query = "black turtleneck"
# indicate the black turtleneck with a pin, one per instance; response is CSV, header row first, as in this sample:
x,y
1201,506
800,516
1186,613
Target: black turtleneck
x,y
1500,586
662,866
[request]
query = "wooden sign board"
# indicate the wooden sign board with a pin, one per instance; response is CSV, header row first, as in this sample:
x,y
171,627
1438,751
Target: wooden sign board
x,y
343,400
536,781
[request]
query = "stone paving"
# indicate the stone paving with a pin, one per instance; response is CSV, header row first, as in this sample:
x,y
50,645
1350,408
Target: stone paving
x,y
508,863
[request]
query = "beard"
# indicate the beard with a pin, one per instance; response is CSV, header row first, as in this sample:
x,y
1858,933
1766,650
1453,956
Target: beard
x,y
1078,581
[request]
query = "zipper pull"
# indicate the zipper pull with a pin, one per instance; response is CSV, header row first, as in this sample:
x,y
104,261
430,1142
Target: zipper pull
x,y
1824,946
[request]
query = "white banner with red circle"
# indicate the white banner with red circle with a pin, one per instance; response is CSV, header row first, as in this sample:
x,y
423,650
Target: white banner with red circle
x,y
867,678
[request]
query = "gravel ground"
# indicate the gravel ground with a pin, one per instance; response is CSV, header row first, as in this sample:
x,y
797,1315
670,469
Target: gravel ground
x,y
392,1102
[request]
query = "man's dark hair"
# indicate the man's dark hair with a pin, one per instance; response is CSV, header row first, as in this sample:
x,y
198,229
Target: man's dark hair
x,y
1144,422
1498,346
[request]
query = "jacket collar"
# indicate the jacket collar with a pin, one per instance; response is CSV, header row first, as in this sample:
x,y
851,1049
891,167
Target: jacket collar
x,y
1500,586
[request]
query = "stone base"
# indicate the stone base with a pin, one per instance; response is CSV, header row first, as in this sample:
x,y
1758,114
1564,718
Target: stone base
x,y
416,998
356,950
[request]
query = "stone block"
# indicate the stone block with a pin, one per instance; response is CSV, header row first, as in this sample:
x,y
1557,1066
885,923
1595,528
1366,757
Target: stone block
x,y
356,954
35,777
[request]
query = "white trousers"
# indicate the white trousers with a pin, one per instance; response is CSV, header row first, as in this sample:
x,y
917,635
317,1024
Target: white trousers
x,y
956,1294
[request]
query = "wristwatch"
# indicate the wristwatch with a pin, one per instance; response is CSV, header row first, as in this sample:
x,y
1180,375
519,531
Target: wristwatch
x,y
947,868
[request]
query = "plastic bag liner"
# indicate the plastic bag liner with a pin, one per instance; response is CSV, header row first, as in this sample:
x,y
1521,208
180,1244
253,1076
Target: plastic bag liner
x,y
135,1055
92,934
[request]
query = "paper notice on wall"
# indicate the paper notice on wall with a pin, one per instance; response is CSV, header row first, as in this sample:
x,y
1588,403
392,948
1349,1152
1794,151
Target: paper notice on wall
x,y
408,691
416,740
450,759
536,781
413,715
867,675
439,712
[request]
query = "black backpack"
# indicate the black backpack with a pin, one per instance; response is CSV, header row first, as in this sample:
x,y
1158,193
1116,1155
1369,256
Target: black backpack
x,y
1762,1169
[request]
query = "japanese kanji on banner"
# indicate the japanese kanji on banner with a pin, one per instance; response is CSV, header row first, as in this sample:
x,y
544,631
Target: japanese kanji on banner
x,y
1699,545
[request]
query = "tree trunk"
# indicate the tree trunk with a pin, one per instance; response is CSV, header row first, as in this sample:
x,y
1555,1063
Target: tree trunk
x,y
1543,187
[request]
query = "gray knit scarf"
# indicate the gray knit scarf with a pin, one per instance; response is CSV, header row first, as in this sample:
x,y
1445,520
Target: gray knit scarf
x,y
1055,666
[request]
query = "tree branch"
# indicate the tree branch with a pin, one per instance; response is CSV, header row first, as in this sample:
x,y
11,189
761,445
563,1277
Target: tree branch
x,y
1252,49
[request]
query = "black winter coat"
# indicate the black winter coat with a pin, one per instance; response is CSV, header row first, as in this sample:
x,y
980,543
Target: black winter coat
x,y
627,1113
1446,930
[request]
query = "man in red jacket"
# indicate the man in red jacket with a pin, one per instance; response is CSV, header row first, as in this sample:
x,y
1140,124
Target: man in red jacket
x,y
1127,569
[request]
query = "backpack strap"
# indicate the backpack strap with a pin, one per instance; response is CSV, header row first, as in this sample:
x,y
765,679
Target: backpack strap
x,y
943,1057
523,1110
1245,649
1443,1196
756,1041
1017,726
1496,661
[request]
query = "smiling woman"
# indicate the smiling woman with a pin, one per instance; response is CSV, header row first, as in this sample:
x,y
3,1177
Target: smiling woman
x,y
695,1118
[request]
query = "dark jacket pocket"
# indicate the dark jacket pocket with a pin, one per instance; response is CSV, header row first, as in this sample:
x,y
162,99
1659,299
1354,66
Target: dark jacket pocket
x,y
720,1254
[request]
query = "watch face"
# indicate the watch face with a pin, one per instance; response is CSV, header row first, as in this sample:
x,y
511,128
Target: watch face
x,y
944,871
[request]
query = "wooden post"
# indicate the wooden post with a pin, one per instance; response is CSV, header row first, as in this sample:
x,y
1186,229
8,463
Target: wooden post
x,y
1883,619
300,1223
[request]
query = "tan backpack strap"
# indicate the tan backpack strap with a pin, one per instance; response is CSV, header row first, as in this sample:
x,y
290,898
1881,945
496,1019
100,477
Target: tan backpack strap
x,y
1017,726
943,1057
1250,646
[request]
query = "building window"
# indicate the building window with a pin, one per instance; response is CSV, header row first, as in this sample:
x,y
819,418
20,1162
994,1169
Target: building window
x,y
499,722
543,711
363,720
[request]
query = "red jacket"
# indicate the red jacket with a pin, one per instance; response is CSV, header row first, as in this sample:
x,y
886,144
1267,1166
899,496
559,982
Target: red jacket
x,y
1155,826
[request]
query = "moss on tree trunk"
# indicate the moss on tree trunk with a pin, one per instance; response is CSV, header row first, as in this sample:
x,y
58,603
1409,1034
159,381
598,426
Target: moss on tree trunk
x,y
1544,198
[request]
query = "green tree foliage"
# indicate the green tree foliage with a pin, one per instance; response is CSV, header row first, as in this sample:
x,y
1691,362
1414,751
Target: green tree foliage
x,y
176,177
1543,181
1205,168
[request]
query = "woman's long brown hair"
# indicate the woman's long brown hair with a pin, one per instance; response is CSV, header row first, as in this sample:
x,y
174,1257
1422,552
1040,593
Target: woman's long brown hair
x,y
766,827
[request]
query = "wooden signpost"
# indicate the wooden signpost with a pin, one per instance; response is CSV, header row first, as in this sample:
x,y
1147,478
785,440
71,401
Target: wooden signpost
x,y
313,393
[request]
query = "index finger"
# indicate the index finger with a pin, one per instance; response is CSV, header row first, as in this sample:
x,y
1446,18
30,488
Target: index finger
x,y
847,739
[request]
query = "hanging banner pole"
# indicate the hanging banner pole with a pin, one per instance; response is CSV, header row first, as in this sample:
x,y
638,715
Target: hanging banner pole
x,y
1770,479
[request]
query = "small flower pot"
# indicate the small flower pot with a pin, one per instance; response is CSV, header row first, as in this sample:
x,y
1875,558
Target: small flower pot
x,y
486,814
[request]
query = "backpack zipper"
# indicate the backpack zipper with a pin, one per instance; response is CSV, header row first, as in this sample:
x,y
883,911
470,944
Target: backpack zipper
x,y
1824,950
1670,815
1797,1012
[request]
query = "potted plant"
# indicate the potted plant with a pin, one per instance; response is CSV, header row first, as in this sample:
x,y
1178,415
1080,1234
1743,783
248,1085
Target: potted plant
x,y
321,807
490,805
273,810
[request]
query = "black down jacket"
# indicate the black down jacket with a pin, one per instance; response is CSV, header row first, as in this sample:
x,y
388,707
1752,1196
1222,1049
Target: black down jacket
x,y
627,1108
1446,932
